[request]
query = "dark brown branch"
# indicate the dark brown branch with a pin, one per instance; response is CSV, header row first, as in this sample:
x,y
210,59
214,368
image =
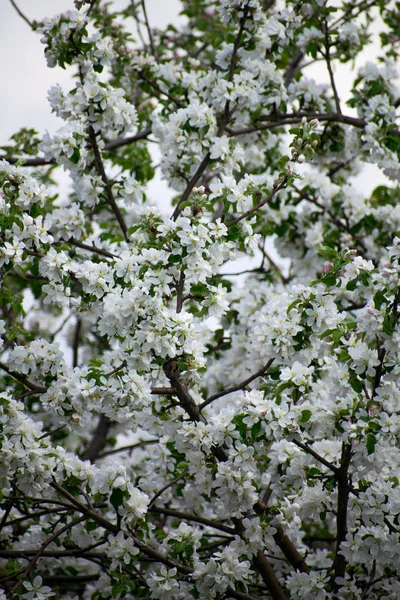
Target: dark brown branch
x,y
179,292
166,487
163,391
272,264
293,66
157,88
223,124
339,564
108,526
41,162
85,510
91,248
91,7
290,551
110,195
148,551
195,518
79,552
289,119
281,184
340,224
21,14
200,170
75,343
269,577
98,440
39,553
381,351
239,386
239,595
171,370
317,456
146,20
327,57
127,448
52,431
38,389
124,141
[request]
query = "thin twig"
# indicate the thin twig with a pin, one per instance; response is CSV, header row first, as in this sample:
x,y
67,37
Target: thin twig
x,y
319,458
128,448
327,57
240,386
224,122
38,389
282,183
146,20
38,554
48,433
108,186
91,7
92,248
40,162
195,518
166,487
85,510
21,14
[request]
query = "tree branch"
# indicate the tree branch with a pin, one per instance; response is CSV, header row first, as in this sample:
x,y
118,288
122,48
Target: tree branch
x,y
39,553
41,162
38,389
327,58
91,248
339,563
195,518
98,440
239,386
21,14
101,170
127,448
146,20
224,122
317,456
281,184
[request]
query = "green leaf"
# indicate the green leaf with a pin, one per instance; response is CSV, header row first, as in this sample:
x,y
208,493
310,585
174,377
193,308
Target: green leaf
x,y
76,155
389,323
329,279
371,442
240,426
351,285
256,430
305,416
379,299
90,526
34,269
327,252
117,498
355,384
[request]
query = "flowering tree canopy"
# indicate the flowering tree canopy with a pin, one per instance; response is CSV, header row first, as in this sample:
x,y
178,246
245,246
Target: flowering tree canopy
x,y
172,428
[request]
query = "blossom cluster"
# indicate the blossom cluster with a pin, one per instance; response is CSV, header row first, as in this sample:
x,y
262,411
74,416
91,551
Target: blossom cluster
x,y
200,398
